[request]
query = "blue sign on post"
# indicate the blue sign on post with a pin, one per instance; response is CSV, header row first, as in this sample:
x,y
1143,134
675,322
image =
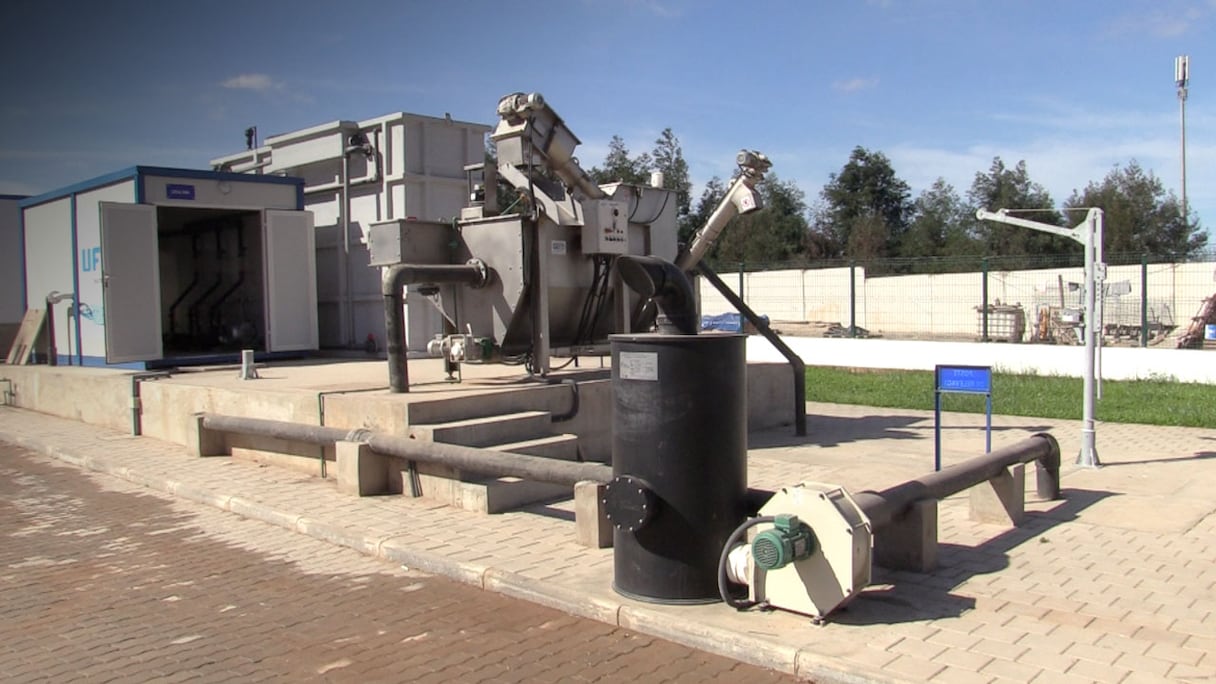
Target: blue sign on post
x,y
964,380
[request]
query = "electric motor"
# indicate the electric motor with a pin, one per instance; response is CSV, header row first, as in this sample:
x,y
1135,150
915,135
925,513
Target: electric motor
x,y
787,541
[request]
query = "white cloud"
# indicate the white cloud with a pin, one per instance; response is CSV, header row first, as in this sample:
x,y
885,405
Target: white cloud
x,y
257,82
854,85
1166,20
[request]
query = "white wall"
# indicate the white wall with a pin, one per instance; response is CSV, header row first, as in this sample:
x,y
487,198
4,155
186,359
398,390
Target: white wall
x,y
945,304
420,175
210,192
48,250
1118,363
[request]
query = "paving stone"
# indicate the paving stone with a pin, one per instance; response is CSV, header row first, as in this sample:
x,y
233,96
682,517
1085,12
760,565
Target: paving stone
x,y
1077,582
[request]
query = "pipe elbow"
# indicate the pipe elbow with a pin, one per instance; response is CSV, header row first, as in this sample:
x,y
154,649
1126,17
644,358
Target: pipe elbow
x,y
664,283
1051,459
475,274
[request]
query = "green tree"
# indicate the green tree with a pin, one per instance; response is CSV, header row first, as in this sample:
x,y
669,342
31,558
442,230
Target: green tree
x,y
1139,215
668,157
940,224
691,222
866,207
775,233
1005,188
620,167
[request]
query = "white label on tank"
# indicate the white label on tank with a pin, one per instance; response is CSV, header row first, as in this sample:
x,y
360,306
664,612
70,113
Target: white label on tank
x,y
558,247
639,366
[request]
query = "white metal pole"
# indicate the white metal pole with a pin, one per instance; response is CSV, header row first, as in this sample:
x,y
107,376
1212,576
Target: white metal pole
x,y
1088,455
1182,78
1182,115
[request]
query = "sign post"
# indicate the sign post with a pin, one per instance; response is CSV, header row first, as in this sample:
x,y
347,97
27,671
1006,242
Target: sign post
x,y
962,380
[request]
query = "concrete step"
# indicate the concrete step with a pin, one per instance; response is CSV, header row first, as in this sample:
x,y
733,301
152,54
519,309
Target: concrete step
x,y
506,494
562,447
497,495
487,431
556,399
501,494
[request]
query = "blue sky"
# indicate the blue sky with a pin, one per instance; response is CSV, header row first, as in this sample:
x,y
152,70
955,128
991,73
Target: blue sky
x,y
940,87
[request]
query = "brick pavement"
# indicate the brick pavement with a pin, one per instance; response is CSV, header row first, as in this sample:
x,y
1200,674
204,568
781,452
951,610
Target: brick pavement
x,y
104,580
1116,582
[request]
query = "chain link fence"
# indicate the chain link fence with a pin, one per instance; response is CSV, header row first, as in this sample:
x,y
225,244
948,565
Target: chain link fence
x,y
1148,300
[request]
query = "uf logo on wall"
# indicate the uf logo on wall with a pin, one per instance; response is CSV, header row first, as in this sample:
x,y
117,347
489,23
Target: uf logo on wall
x,y
90,259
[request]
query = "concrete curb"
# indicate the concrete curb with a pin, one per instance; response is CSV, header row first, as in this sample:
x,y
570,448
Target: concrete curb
x,y
688,632
546,594
818,668
413,559
703,637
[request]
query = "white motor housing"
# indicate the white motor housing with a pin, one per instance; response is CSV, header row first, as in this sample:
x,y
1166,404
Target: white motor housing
x,y
839,566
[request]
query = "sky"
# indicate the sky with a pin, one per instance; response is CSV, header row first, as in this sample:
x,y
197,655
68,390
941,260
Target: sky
x,y
940,87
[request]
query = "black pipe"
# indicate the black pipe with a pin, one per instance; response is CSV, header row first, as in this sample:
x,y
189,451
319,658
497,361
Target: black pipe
x,y
192,312
392,282
194,254
480,461
215,316
883,507
762,326
665,284
177,302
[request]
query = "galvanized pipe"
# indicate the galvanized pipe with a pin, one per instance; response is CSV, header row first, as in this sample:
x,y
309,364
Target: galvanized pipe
x,y
393,281
278,429
883,507
480,461
795,361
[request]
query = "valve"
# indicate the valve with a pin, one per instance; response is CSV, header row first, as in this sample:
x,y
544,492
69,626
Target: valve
x,y
789,540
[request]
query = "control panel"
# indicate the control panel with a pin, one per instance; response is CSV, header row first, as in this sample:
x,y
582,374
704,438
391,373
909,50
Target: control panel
x,y
605,227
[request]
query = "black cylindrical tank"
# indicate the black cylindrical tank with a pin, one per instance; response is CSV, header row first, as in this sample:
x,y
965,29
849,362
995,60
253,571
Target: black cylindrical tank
x,y
679,454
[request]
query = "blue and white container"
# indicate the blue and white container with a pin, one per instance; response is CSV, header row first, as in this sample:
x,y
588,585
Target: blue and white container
x,y
167,265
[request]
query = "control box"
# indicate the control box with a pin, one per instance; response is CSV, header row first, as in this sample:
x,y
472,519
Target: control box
x,y
605,227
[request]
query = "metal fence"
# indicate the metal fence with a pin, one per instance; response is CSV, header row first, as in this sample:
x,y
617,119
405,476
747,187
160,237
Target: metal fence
x,y
1148,300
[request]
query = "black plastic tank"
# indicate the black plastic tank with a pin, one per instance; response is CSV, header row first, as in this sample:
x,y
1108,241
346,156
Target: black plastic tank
x,y
679,457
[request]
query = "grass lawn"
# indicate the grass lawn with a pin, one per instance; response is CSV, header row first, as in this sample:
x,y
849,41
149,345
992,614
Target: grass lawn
x,y
1154,402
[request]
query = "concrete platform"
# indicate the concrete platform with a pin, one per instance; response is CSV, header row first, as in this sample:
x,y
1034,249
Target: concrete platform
x,y
1116,582
491,406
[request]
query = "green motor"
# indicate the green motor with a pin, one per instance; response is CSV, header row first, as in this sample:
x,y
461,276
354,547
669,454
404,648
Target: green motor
x,y
789,540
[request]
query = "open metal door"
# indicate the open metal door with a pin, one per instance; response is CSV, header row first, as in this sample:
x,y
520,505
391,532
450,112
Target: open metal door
x,y
291,280
130,282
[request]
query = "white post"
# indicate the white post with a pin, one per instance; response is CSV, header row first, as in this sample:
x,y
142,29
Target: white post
x,y
1095,274
1088,455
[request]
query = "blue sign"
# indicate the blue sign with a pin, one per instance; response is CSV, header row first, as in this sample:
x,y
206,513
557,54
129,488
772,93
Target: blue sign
x,y
976,379
178,191
966,380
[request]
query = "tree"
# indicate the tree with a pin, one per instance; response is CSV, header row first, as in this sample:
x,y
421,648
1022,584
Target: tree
x,y
1005,188
668,157
691,222
774,233
866,207
940,225
1139,215
620,167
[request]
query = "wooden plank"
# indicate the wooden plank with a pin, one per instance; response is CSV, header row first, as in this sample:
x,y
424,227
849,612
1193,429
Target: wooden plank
x,y
27,334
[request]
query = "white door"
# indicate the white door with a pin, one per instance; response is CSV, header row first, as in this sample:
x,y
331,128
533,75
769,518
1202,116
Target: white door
x,y
130,282
291,280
